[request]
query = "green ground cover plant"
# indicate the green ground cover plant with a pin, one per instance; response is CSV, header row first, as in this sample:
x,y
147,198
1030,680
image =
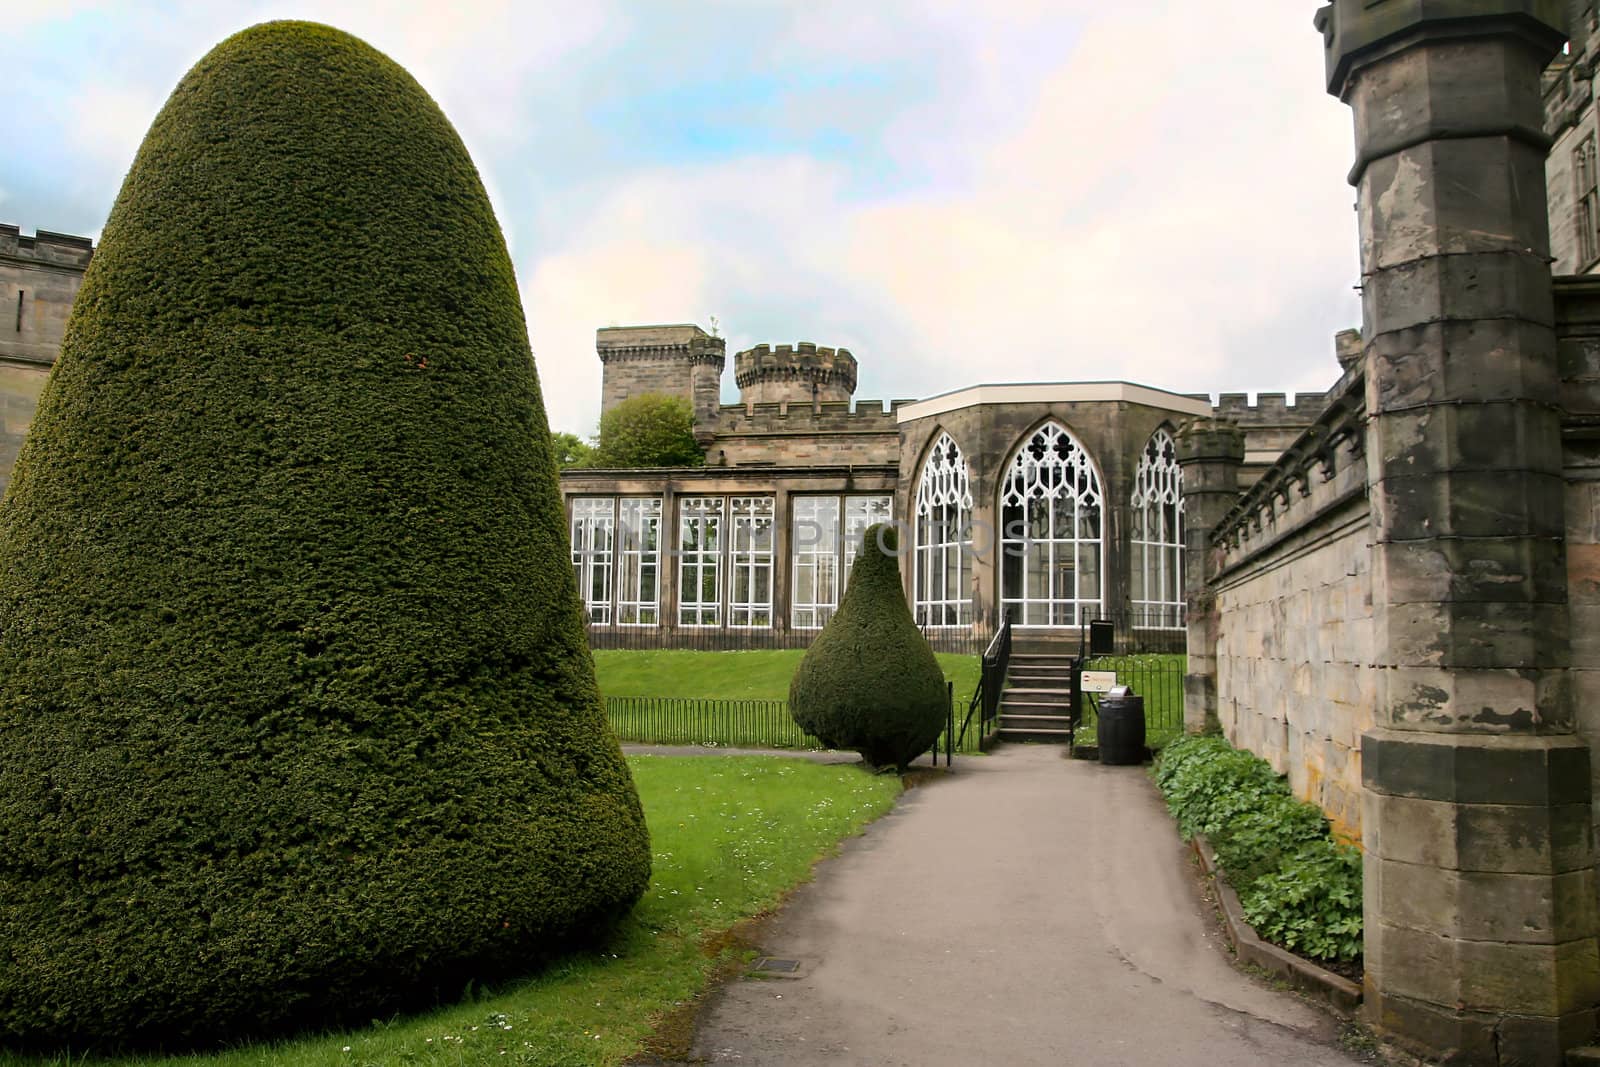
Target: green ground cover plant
x,y
1299,888
297,717
731,836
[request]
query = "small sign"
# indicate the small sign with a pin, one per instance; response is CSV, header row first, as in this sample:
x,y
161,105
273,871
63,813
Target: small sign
x,y
1098,681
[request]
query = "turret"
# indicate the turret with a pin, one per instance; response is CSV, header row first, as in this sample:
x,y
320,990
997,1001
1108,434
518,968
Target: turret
x,y
802,374
680,360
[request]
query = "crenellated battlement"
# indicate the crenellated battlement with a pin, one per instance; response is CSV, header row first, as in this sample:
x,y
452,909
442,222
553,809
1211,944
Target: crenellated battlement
x,y
636,344
798,372
45,247
1270,409
831,416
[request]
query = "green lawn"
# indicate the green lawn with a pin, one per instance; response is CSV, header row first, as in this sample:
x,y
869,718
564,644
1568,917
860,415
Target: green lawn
x,y
730,836
726,699
756,675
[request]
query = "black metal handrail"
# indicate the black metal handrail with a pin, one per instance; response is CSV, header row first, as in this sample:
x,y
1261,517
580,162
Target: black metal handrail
x,y
986,697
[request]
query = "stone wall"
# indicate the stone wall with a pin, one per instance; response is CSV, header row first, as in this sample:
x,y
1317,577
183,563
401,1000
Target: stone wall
x,y
39,279
1293,587
1270,425
797,434
1292,574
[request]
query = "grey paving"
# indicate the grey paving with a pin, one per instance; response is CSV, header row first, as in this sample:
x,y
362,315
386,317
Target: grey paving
x,y
1027,910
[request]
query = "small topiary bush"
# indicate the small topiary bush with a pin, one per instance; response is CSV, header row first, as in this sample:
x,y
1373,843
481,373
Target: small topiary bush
x,y
870,682
1297,886
297,718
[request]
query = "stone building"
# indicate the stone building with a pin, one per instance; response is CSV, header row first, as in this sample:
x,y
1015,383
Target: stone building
x,y
1055,502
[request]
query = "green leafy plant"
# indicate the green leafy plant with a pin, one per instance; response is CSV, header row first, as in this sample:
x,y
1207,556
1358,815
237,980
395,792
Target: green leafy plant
x,y
1298,887
1207,783
1257,841
571,450
648,430
1312,903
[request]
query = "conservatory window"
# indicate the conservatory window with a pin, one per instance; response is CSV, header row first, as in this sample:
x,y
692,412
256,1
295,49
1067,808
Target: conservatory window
x,y
750,562
1051,516
639,561
943,562
593,536
700,535
824,550
1157,520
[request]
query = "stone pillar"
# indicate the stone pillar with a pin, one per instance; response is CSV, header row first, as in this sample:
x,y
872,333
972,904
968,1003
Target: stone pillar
x,y
1479,870
1210,451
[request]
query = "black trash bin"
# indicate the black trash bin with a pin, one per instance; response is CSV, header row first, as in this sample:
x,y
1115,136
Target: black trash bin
x,y
1121,731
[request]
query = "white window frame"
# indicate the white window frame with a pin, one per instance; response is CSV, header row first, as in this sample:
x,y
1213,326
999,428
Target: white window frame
x,y
706,517
639,561
593,536
1156,509
751,549
813,560
1051,476
942,579
828,550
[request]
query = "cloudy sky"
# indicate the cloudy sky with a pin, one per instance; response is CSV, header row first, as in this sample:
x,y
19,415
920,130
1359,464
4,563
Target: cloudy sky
x,y
958,191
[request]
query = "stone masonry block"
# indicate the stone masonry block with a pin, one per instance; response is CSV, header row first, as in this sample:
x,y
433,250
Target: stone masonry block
x,y
1477,634
1464,83
1484,838
1468,503
1524,909
1497,284
1498,436
1545,980
1583,578
1512,769
1474,700
1448,197
1486,361
1405,961
1509,570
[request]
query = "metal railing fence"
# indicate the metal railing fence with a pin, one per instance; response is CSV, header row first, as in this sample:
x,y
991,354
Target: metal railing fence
x,y
1158,678
729,724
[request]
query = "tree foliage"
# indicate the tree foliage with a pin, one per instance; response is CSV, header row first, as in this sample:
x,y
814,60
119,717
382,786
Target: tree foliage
x,y
297,718
870,682
648,430
571,450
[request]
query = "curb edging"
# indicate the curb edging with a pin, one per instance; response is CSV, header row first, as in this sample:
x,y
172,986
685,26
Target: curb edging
x,y
1343,995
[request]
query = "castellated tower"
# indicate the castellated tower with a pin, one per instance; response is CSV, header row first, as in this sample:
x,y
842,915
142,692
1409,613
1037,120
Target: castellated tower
x,y
676,360
804,374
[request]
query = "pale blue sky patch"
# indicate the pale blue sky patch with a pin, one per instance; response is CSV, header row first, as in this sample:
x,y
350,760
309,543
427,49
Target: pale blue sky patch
x,y
1028,190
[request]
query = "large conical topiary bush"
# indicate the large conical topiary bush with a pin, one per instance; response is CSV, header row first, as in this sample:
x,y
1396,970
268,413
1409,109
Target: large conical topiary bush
x,y
297,719
870,682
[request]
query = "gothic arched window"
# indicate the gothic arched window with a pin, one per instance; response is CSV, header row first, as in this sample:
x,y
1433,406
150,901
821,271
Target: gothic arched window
x,y
1051,531
943,567
1156,511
